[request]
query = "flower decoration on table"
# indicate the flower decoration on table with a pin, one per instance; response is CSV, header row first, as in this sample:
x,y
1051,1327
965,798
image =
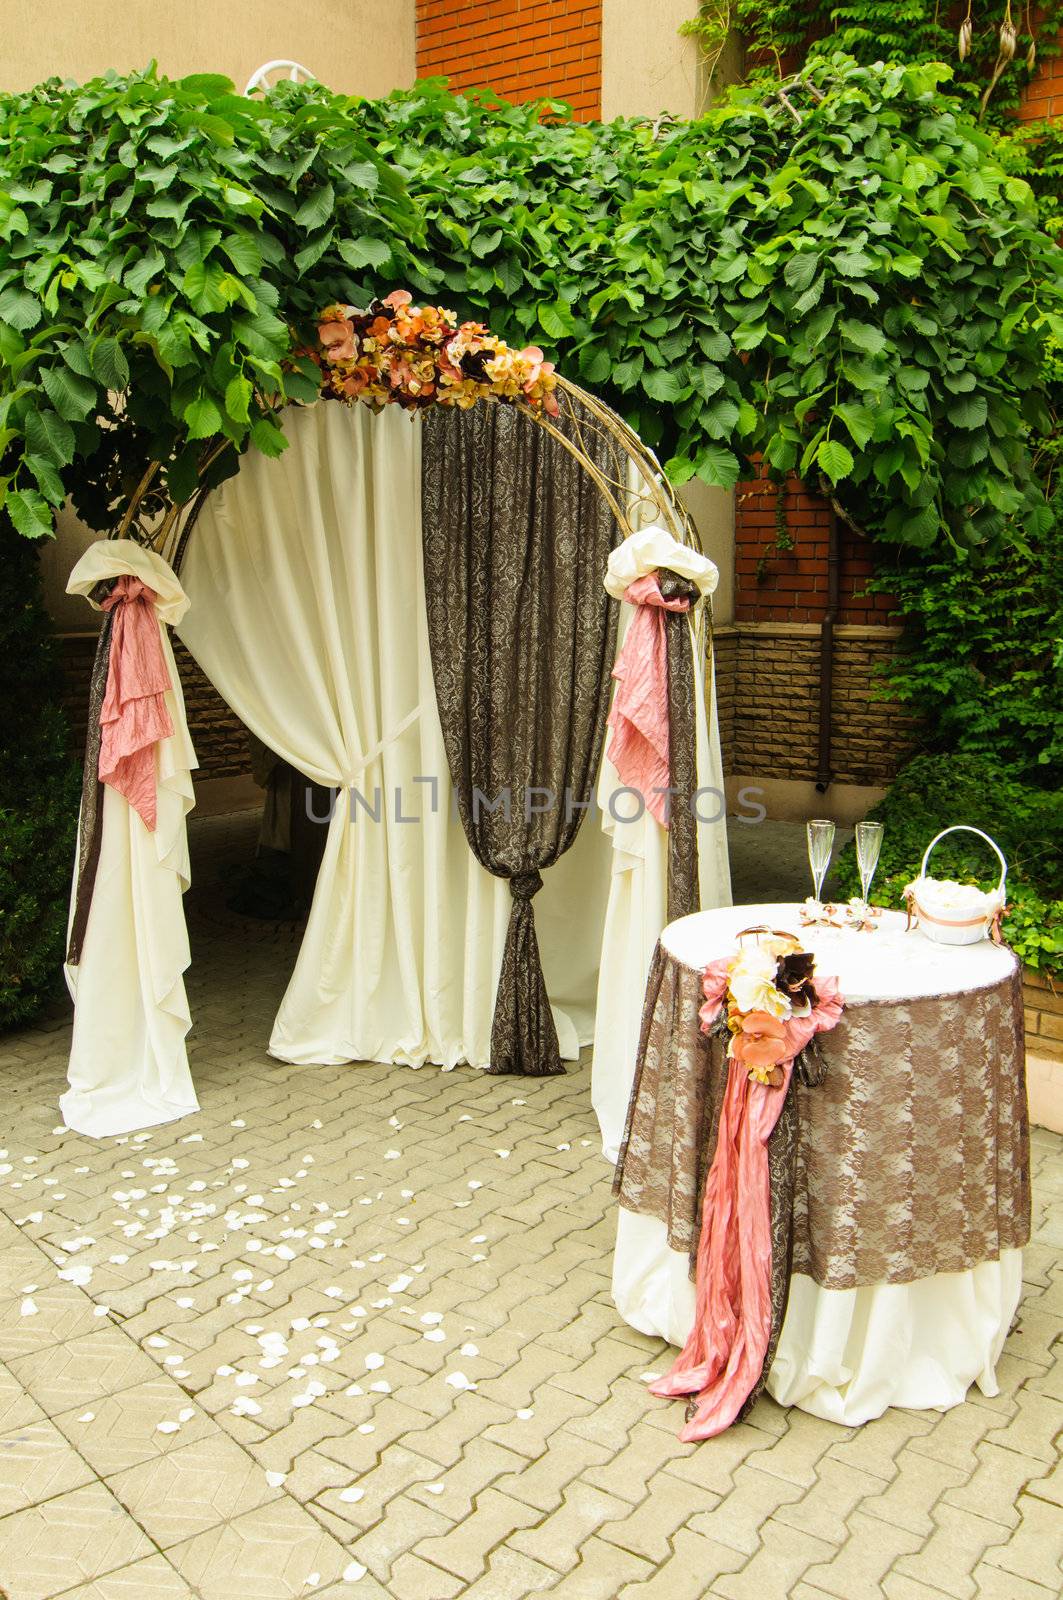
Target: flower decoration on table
x,y
769,992
397,353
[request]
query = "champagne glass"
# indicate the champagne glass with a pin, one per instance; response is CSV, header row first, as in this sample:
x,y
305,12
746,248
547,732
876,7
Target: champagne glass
x,y
820,844
868,845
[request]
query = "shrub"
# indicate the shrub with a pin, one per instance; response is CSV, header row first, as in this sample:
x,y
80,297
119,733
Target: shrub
x,y
38,793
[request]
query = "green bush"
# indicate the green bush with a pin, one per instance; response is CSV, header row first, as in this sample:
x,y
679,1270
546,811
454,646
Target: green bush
x,y
38,793
935,792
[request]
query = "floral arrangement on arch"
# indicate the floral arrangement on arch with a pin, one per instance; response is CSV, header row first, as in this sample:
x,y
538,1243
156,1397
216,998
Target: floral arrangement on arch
x,y
398,353
765,998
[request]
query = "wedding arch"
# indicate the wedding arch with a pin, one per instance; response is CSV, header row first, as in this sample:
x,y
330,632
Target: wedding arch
x,y
415,605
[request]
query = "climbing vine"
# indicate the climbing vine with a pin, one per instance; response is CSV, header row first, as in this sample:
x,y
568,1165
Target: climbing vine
x,y
840,277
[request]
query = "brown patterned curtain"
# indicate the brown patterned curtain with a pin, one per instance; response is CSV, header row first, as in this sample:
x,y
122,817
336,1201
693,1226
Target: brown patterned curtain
x,y
523,639
684,893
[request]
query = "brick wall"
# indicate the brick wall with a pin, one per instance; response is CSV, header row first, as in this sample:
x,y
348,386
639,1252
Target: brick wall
x,y
791,586
521,48
1043,98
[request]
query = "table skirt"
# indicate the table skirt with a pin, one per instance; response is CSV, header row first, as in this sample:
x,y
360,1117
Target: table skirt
x,y
844,1354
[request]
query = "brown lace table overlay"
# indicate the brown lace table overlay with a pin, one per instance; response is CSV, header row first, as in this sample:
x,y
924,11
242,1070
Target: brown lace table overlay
x,y
910,1158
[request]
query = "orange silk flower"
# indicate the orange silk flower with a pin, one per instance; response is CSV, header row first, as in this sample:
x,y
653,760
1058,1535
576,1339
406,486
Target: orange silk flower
x,y
760,1044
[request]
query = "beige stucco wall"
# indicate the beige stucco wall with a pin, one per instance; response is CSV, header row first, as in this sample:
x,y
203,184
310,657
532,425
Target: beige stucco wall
x,y
647,65
355,46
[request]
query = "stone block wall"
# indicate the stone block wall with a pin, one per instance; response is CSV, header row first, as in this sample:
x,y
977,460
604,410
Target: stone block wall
x,y
767,687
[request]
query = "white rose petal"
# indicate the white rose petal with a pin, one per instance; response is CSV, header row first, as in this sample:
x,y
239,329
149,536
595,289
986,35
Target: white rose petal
x,y
275,1479
458,1380
28,1307
354,1572
352,1494
374,1360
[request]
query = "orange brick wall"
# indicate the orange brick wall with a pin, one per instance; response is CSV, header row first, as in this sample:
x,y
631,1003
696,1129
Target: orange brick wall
x,y
524,49
1044,96
792,586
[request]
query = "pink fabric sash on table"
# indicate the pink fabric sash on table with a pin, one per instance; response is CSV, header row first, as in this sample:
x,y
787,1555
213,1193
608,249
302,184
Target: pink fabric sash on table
x,y
638,717
724,1355
134,716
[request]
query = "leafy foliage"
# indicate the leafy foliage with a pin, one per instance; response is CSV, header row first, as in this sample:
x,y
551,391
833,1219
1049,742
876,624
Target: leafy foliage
x,y
861,294
778,32
157,238
38,793
982,655
932,793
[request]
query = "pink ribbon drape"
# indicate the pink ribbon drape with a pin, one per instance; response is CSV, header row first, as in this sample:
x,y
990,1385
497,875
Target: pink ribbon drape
x,y
638,717
134,716
724,1355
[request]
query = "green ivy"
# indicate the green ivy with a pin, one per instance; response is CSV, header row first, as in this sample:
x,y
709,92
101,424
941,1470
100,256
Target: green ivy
x,y
847,283
778,32
157,238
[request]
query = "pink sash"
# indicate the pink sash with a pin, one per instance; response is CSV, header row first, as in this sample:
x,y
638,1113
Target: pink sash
x,y
639,748
134,715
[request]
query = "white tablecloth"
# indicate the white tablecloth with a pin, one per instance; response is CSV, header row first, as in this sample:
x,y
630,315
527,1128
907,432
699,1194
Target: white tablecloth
x,y
845,1354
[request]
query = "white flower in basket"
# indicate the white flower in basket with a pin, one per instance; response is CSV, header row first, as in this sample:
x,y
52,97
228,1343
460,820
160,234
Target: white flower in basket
x,y
956,913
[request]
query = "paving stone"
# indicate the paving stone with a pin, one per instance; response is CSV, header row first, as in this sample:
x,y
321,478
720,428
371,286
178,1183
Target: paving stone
x,y
266,1554
919,1485
1035,1550
601,1570
648,1530
413,1578
695,1565
37,1463
66,1541
464,1549
858,1568
558,1539
83,1369
784,1556
738,1518
192,1489
17,1408
152,1579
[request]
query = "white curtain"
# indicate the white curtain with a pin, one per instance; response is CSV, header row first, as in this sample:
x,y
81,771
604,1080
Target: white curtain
x,y
307,612
128,1063
638,895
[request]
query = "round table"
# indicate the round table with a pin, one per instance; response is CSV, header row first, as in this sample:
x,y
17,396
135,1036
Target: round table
x,y
911,1196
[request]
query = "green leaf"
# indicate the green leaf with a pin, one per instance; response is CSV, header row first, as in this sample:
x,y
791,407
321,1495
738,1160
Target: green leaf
x,y
835,460
244,254
29,512
72,396
48,435
203,417
20,308
238,394
679,470
717,466
662,384
48,480
109,363
316,208
859,421
359,253
800,269
968,411
864,335
268,436
556,320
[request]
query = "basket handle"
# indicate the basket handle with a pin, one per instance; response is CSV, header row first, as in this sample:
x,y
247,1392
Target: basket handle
x,y
964,827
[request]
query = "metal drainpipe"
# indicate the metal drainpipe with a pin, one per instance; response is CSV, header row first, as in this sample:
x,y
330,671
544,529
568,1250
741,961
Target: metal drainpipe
x,y
826,658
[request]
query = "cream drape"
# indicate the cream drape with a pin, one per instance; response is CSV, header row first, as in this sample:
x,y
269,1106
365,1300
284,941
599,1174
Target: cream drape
x,y
307,613
638,890
128,1062
844,1354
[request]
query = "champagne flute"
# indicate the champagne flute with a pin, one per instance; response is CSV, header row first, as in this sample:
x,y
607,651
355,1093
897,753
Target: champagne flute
x,y
868,845
820,844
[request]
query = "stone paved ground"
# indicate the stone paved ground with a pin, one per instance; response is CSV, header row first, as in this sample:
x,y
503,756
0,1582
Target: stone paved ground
x,y
349,1333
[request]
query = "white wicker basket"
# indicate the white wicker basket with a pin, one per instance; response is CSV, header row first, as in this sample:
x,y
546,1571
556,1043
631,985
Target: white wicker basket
x,y
950,924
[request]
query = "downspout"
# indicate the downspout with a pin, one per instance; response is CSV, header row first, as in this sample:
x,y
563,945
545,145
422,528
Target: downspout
x,y
826,657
